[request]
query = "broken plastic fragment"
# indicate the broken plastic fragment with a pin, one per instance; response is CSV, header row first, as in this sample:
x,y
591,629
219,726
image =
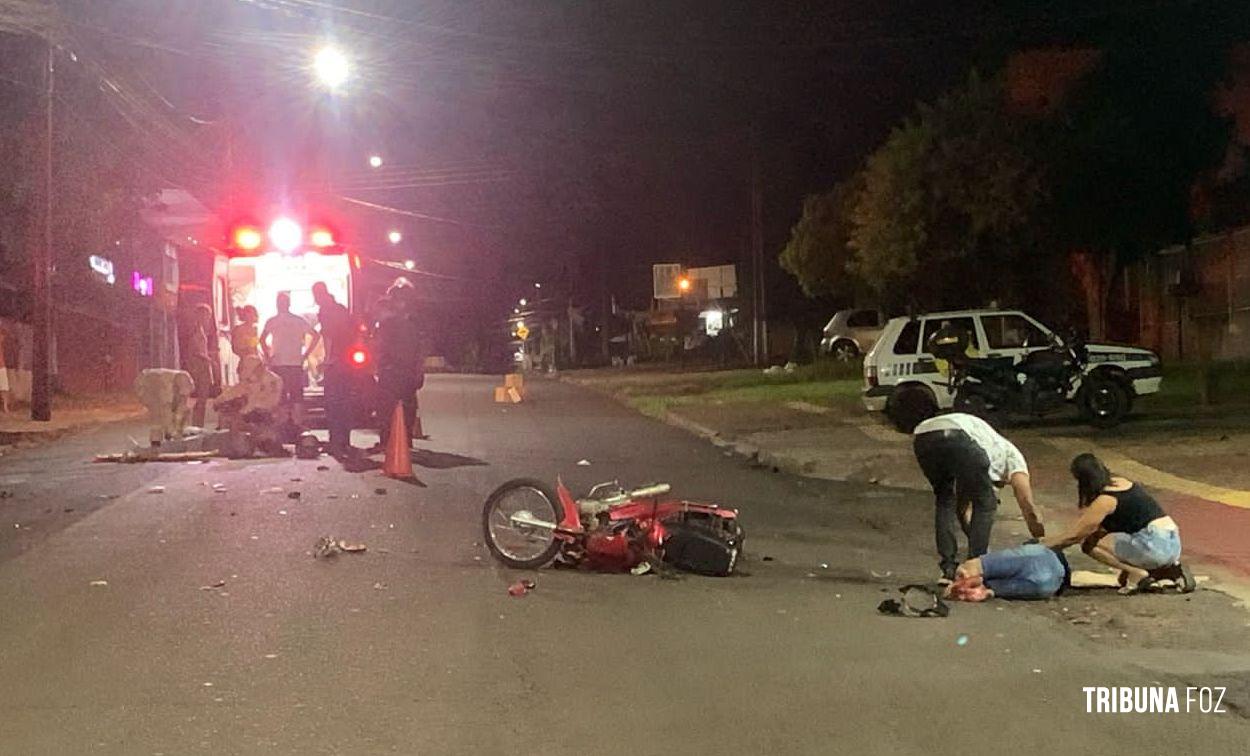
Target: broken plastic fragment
x,y
352,548
156,489
98,583
881,575
293,495
962,640
213,586
641,569
517,589
583,463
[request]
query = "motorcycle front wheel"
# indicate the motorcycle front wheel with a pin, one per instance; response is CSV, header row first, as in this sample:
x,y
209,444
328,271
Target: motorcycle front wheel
x,y
519,523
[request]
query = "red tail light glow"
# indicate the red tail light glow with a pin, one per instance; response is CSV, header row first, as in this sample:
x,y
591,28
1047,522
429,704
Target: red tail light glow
x,y
359,357
321,238
248,238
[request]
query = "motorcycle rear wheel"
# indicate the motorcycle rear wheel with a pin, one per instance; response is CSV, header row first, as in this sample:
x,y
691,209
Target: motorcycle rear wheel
x,y
1104,402
975,404
518,546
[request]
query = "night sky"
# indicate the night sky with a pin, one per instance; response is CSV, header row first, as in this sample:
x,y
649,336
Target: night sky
x,y
564,141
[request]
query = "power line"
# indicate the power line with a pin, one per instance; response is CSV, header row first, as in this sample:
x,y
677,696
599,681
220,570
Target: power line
x,y
413,213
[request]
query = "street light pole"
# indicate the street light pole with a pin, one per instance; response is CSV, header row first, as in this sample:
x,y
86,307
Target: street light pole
x,y
759,310
41,374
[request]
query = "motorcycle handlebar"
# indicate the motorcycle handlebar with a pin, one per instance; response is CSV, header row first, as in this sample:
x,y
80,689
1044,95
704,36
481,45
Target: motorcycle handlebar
x,y
647,492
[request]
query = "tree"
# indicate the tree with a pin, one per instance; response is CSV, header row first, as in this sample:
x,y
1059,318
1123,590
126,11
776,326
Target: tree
x,y
1134,140
817,254
944,213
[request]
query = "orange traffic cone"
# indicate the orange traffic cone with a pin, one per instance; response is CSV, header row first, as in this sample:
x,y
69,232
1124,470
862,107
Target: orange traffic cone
x,y
398,462
417,433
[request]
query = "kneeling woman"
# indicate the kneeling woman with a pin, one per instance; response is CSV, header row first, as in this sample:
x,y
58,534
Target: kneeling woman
x,y
1123,527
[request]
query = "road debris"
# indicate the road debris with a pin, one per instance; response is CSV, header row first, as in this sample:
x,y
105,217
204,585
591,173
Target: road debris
x,y
213,586
882,575
641,569
105,497
962,640
156,489
583,463
293,495
766,559
328,546
98,583
379,586
297,480
521,587
219,488
380,491
323,468
281,511
274,490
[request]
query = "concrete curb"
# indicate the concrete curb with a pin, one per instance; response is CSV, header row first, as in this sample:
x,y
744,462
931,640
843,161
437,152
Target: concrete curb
x,y
14,438
748,451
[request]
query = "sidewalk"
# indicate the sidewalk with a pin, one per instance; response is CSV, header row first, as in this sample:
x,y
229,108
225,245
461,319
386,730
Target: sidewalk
x,y
68,414
1197,467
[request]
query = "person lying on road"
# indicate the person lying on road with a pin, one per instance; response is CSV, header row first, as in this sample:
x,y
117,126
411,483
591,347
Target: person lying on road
x,y
961,452
1122,526
1031,571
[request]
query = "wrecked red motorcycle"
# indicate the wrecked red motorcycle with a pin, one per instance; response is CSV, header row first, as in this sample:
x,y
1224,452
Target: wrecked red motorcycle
x,y
527,525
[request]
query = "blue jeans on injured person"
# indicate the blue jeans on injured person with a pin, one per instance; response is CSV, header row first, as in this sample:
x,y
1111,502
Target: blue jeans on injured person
x,y
1149,548
1032,571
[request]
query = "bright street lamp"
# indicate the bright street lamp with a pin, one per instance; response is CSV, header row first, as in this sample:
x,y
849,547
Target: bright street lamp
x,y
410,265
395,237
331,67
375,161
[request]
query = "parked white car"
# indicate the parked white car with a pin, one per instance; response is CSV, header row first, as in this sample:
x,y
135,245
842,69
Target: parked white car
x,y
899,371
851,333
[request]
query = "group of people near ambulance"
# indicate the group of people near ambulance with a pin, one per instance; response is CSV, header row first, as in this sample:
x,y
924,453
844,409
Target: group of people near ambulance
x,y
1120,524
267,400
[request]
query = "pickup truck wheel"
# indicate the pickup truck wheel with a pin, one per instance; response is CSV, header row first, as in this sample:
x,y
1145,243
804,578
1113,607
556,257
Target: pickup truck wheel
x,y
909,406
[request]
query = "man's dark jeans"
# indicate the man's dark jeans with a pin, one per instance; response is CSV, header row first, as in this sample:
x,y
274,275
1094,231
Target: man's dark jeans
x,y
952,462
339,406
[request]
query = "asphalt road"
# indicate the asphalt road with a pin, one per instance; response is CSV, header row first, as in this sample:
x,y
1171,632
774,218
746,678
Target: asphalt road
x,y
414,647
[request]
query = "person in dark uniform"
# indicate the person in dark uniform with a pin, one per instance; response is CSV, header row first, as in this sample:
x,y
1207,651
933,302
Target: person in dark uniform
x,y
337,330
398,346
200,357
1122,526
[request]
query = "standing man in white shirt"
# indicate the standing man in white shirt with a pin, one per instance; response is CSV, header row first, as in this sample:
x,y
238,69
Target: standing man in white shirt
x,y
283,341
965,460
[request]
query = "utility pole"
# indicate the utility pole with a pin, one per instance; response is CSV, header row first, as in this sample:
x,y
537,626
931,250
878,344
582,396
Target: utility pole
x,y
758,295
41,375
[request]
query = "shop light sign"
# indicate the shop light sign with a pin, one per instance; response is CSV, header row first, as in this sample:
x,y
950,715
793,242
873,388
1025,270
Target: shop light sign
x,y
103,267
141,284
